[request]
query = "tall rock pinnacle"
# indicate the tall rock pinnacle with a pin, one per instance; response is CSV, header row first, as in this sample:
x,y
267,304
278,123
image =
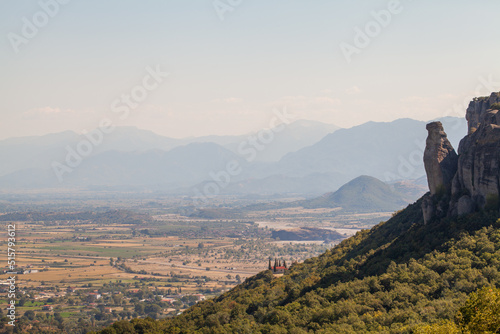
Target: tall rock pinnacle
x,y
470,181
440,159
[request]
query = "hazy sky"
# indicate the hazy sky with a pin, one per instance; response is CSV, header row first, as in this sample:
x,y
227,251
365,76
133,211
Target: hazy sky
x,y
226,75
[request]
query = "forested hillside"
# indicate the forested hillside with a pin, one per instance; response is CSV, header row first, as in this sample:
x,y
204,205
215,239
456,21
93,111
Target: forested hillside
x,y
394,278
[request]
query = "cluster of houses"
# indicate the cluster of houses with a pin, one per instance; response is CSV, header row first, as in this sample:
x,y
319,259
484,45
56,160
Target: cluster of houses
x,y
95,296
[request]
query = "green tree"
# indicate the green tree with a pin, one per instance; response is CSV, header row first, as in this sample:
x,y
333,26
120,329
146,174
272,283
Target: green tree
x,y
30,315
481,312
444,327
479,315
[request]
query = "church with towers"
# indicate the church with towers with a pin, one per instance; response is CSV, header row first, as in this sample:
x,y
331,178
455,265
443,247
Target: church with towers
x,y
278,267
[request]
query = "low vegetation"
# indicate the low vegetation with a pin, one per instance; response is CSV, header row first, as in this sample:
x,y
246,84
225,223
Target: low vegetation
x,y
495,106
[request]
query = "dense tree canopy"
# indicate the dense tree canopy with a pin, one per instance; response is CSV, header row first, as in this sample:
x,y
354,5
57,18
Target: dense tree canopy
x,y
480,314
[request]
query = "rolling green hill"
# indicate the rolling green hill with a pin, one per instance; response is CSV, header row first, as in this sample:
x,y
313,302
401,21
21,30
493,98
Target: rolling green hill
x,y
363,194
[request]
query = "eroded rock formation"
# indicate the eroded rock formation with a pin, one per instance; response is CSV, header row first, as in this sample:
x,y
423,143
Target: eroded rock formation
x,y
440,159
477,108
471,181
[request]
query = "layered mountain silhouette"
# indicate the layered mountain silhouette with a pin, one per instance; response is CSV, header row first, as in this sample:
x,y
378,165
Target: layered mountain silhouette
x,y
387,151
316,158
156,169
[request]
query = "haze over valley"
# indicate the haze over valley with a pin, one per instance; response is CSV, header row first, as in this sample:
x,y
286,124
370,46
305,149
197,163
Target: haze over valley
x,y
253,167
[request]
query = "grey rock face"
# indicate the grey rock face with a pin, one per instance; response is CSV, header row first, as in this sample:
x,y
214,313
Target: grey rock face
x,y
479,161
477,108
440,159
428,209
471,180
464,205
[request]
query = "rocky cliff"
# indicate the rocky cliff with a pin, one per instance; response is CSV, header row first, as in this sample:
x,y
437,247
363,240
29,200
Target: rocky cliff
x,y
470,181
440,159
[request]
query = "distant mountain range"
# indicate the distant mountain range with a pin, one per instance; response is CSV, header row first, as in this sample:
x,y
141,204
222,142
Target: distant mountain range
x,y
391,152
38,152
312,158
154,169
388,151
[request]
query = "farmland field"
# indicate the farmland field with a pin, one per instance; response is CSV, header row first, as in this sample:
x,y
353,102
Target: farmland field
x,y
92,268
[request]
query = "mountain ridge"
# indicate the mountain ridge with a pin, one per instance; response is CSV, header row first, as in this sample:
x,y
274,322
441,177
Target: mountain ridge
x,y
315,173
